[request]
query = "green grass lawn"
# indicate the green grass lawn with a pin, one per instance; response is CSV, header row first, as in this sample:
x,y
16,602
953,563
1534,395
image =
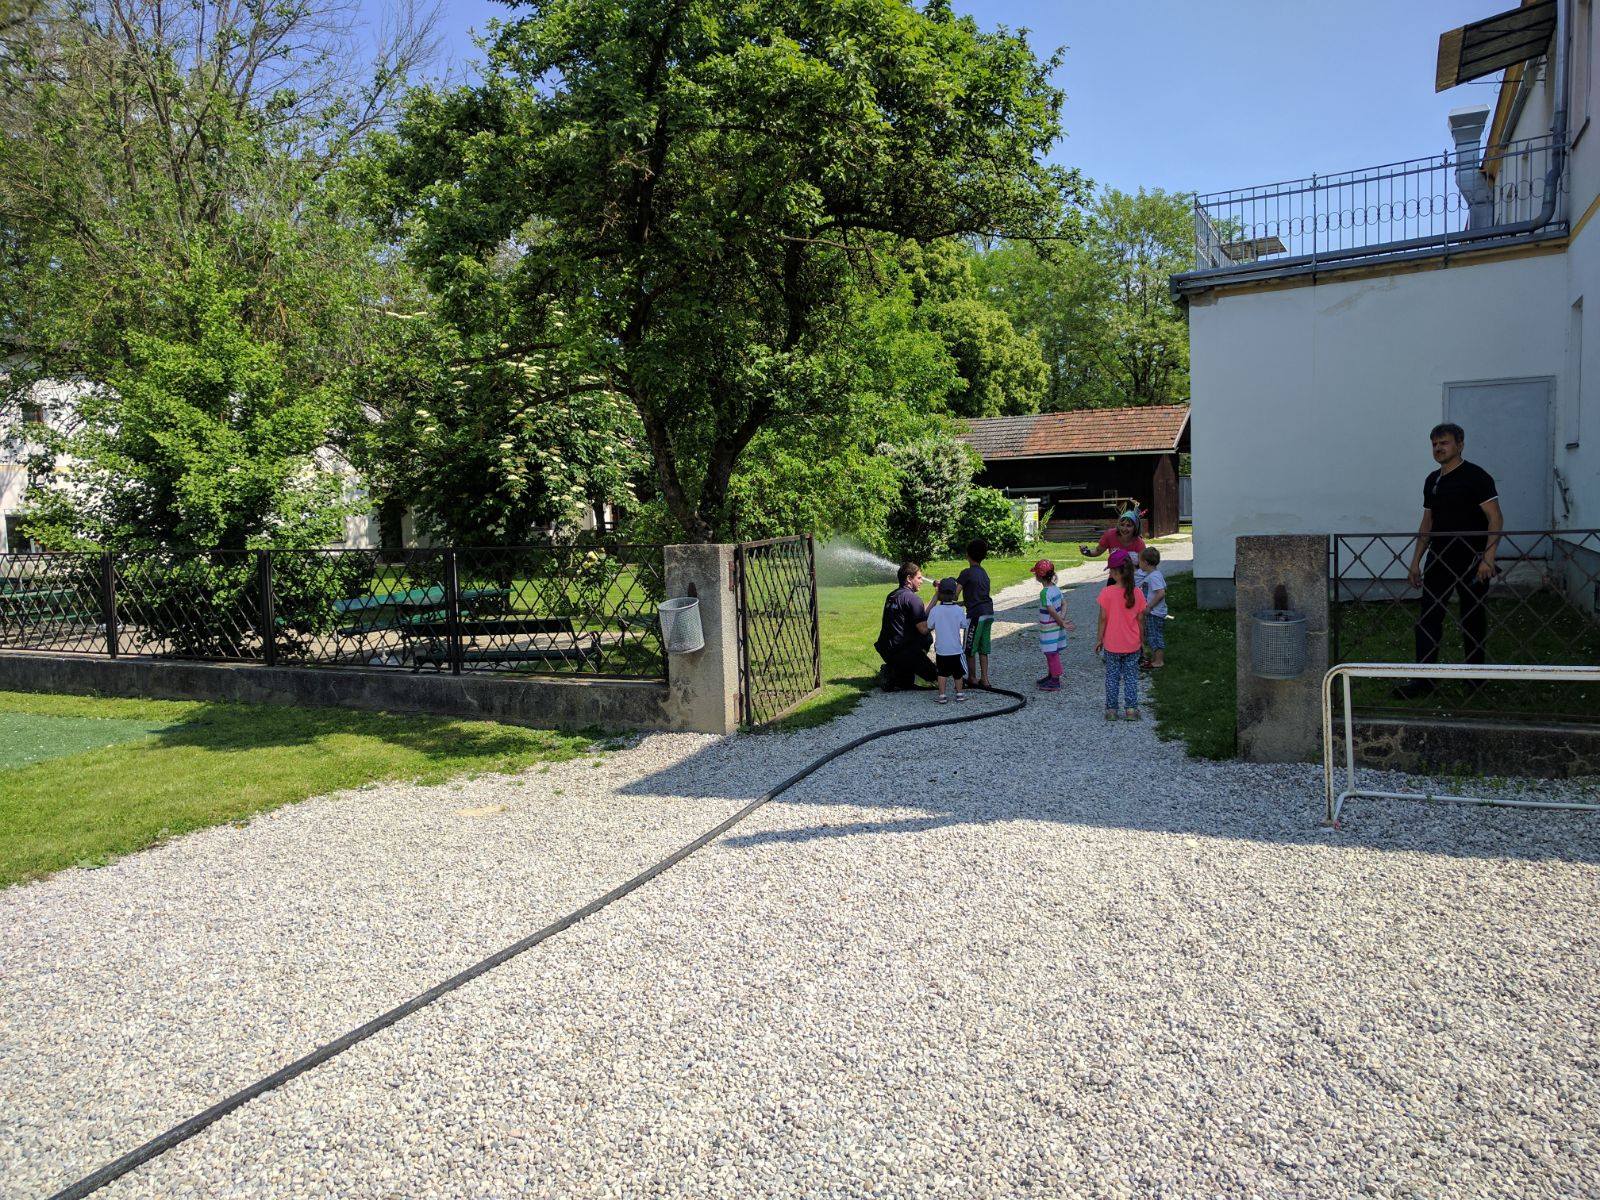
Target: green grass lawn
x,y
1194,692
1537,628
92,779
850,618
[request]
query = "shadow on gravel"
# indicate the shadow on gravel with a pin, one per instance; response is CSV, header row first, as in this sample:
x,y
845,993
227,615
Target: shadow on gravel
x,y
1059,761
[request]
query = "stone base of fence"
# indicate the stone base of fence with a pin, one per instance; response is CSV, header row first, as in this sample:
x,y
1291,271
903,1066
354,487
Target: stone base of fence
x,y
613,704
1475,747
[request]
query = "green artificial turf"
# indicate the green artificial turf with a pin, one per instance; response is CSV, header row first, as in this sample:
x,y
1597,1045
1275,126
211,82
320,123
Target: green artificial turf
x,y
32,737
175,766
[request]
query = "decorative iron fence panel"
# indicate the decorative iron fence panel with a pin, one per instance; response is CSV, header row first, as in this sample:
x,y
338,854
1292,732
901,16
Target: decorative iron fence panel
x,y
561,608
1416,204
202,606
780,649
1540,608
54,602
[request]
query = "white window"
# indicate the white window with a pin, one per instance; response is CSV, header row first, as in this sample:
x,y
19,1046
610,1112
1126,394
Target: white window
x,y
17,539
1572,411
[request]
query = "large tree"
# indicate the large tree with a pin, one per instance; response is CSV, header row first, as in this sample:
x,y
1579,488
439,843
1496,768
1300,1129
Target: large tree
x,y
690,194
1101,310
174,242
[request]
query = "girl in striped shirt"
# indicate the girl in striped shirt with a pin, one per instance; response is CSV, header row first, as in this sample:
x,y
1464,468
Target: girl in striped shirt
x,y
1053,624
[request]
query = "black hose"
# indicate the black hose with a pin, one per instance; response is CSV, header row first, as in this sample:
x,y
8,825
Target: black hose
x,y
181,1133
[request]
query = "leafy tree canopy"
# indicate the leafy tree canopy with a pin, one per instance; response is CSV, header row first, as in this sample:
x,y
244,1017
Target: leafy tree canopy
x,y
1100,310
174,224
690,194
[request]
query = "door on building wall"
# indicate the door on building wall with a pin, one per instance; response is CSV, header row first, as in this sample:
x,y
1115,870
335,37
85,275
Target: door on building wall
x,y
1507,424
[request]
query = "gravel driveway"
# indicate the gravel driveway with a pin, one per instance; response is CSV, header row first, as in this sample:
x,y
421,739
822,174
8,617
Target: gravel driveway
x,y
1041,955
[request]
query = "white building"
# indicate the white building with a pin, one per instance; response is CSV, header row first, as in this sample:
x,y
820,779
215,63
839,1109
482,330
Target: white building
x,y
1334,320
52,405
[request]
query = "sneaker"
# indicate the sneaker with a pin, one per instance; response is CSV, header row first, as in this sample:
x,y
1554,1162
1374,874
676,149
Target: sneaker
x,y
1111,714
1043,682
940,699
960,697
1131,715
1049,685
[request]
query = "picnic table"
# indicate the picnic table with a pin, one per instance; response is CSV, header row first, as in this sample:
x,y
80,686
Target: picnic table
x,y
512,641
43,605
383,611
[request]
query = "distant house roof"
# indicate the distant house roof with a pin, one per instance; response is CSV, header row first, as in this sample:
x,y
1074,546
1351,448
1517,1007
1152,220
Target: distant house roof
x,y
1153,429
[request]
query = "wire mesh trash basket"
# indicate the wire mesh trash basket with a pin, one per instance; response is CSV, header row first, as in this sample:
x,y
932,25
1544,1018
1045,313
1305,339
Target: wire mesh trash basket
x,y
680,625
1278,644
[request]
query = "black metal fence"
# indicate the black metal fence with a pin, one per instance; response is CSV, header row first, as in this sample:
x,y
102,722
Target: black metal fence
x,y
1411,205
1540,607
780,648
560,608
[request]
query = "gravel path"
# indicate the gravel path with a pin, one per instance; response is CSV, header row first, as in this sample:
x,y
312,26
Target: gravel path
x,y
1037,956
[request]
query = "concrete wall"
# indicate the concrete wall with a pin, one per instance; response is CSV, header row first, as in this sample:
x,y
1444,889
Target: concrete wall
x,y
1313,403
1280,720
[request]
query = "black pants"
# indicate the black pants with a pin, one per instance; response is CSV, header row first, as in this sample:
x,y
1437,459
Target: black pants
x,y
908,663
1453,570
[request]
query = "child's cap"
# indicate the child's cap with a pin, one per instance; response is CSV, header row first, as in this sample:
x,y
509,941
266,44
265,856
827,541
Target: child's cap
x,y
948,588
1118,559
1043,568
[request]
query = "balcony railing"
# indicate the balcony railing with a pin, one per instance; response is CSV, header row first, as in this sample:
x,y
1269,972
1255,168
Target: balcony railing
x,y
1416,205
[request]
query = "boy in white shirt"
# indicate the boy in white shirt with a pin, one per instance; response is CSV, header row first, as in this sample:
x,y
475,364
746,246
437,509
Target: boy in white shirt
x,y
947,620
1149,580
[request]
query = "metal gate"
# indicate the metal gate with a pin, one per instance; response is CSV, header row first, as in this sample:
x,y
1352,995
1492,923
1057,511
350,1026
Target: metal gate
x,y
780,648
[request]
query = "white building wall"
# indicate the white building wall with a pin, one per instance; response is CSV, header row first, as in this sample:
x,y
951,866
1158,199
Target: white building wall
x,y
1579,393
1312,404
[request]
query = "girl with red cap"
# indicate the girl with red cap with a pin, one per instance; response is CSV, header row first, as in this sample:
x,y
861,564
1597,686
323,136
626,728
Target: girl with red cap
x,y
1053,624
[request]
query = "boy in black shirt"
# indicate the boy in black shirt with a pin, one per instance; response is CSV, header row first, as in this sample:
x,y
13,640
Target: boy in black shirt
x,y
1461,502
974,582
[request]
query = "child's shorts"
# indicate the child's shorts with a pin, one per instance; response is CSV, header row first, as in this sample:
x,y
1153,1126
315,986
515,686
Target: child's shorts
x,y
979,635
1155,631
949,666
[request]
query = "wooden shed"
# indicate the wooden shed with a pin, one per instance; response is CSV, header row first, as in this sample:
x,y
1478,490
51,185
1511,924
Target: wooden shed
x,y
1084,467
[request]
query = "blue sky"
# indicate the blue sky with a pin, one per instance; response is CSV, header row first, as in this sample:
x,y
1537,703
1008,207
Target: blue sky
x,y
1198,97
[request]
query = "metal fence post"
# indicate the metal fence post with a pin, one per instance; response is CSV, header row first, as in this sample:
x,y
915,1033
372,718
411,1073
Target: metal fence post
x,y
1313,224
1333,597
816,616
452,609
269,618
108,602
741,567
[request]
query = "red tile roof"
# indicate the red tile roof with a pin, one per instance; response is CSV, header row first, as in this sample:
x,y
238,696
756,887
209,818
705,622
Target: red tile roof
x,y
1090,431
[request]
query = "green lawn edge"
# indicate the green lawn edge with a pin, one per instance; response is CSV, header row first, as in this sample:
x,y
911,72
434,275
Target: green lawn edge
x,y
1195,693
228,762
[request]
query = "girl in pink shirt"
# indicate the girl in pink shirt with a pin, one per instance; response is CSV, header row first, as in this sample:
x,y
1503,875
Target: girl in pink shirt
x,y
1120,635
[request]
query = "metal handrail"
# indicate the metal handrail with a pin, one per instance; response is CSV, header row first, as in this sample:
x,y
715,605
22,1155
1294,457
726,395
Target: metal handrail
x,y
1347,671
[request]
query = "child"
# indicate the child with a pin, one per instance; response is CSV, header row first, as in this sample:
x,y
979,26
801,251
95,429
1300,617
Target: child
x,y
974,583
1120,634
1153,584
1053,624
948,623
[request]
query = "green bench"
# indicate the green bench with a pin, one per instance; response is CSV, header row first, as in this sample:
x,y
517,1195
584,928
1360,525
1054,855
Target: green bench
x,y
429,642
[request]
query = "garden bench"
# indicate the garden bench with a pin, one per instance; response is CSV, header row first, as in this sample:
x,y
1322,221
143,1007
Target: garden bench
x,y
388,612
430,642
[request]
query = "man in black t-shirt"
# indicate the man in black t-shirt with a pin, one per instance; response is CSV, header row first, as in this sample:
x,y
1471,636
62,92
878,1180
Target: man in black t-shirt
x,y
1455,550
903,639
